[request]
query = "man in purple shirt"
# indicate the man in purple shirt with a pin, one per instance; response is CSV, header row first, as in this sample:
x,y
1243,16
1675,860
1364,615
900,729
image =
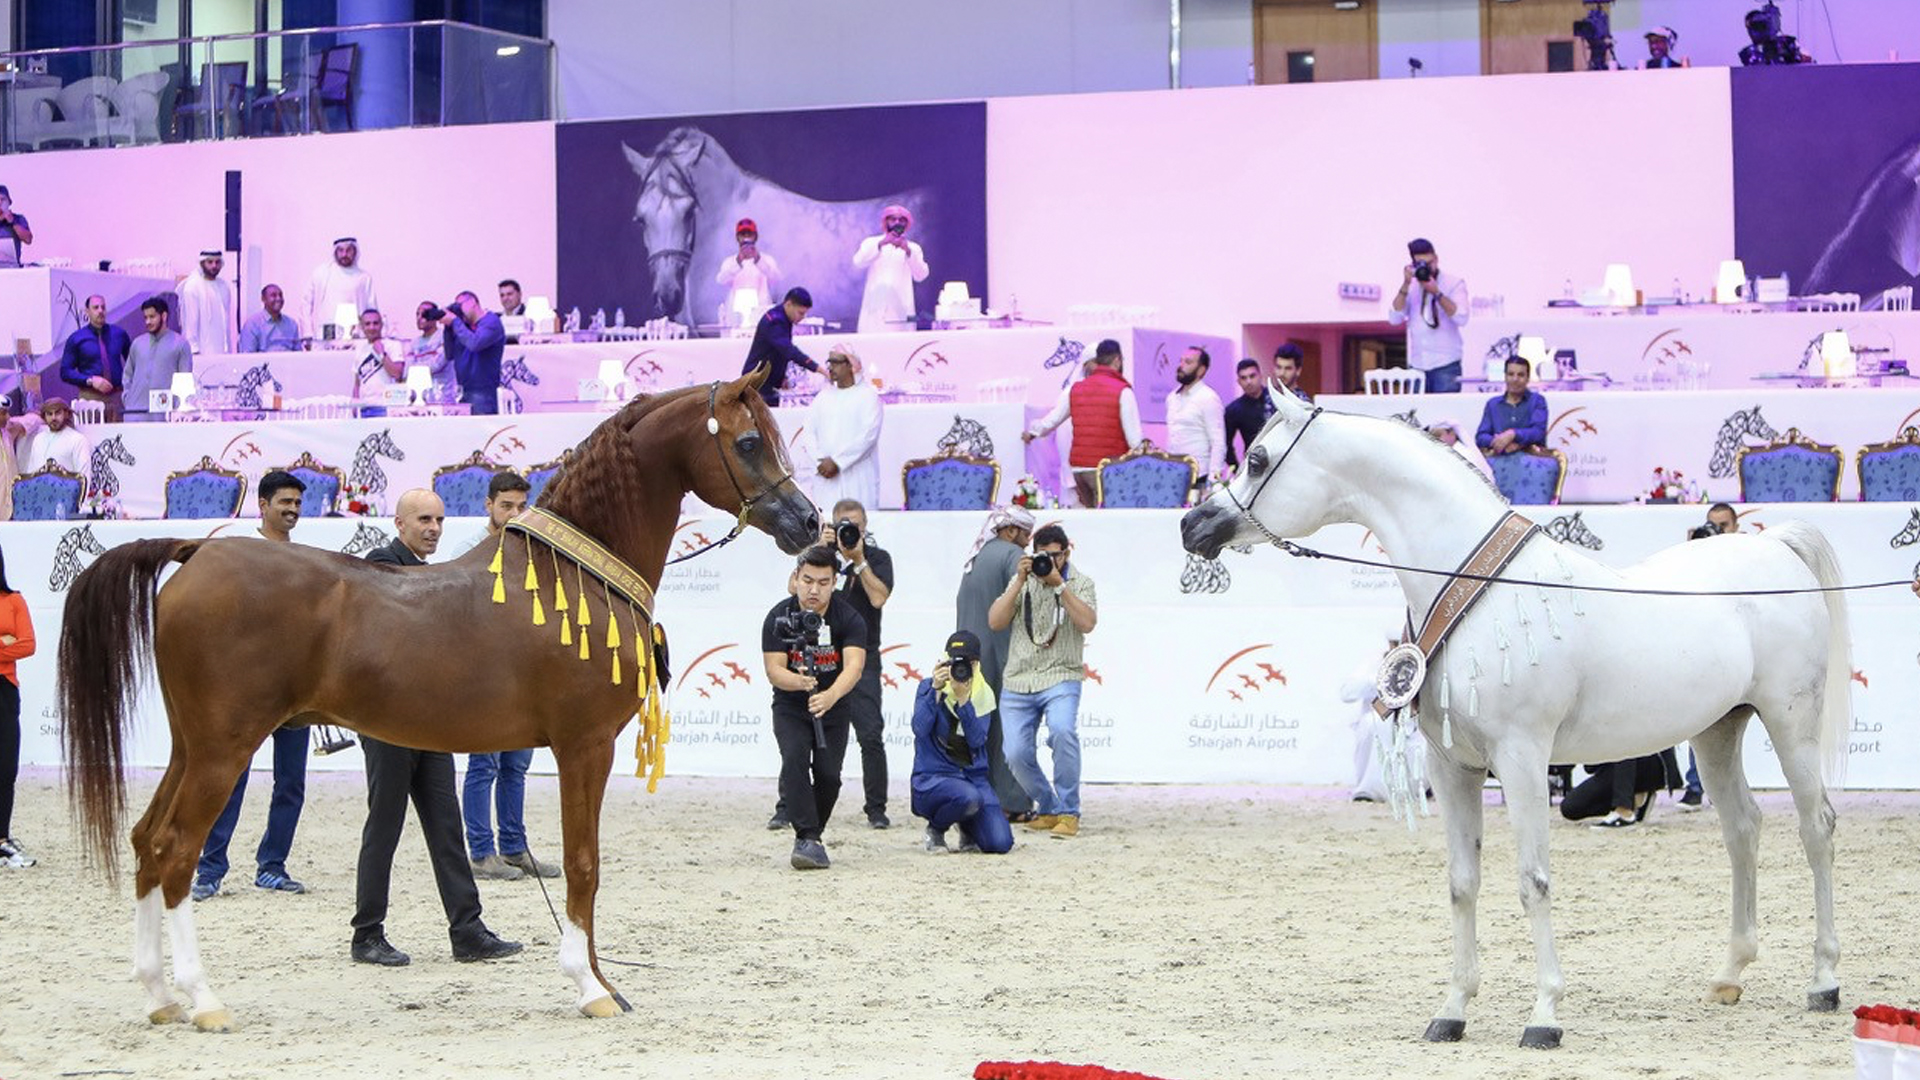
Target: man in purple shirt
x,y
476,341
95,355
1516,419
773,344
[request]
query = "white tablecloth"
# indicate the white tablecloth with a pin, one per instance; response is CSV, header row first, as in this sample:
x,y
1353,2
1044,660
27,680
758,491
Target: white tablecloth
x,y
956,363
1733,347
394,454
1615,439
1153,711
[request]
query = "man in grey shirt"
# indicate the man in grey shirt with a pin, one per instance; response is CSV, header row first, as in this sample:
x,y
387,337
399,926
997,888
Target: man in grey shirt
x,y
995,559
151,363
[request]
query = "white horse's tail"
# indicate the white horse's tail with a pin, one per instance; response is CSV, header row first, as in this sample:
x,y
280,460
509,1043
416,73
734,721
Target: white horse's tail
x,y
1836,719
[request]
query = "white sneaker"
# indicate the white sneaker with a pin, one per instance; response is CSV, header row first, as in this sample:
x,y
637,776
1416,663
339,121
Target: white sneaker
x,y
936,842
12,854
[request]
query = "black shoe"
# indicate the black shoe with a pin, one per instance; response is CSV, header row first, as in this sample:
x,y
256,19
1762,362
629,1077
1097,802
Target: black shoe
x,y
878,819
779,821
376,950
483,944
809,855
1691,800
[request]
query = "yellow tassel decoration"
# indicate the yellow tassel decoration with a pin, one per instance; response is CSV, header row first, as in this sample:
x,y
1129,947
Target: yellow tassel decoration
x,y
616,667
566,627
585,652
499,589
613,631
533,576
656,726
559,585
494,566
499,585
539,611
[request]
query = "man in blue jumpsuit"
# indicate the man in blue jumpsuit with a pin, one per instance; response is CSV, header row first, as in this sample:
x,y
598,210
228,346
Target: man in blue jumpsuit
x,y
950,782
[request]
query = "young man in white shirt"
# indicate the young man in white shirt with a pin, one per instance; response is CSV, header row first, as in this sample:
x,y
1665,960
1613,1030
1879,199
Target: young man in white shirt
x,y
1196,417
382,362
1433,317
59,441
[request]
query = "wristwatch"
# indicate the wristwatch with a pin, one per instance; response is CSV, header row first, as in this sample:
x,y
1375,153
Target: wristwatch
x,y
859,568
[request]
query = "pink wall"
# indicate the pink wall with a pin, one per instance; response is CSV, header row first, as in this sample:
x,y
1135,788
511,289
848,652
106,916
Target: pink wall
x,y
436,209
1521,182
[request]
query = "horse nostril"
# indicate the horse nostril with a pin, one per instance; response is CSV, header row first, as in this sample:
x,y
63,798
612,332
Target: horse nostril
x,y
813,522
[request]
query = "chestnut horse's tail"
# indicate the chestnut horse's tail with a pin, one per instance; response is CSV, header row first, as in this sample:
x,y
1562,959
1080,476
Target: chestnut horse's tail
x,y
106,649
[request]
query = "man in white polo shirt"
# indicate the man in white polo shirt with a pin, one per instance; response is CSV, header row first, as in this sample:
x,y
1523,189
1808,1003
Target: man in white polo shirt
x,y
1196,418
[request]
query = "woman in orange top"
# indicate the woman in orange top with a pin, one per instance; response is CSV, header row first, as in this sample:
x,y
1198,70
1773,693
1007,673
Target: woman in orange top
x,y
16,644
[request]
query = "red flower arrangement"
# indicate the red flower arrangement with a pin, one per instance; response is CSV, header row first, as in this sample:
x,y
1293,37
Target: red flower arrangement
x,y
1050,1070
1887,1023
1673,486
360,500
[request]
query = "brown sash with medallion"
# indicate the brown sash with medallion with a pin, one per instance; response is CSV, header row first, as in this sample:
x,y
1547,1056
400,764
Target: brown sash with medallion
x,y
1406,665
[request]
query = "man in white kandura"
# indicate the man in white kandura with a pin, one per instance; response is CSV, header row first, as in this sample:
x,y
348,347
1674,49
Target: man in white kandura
x,y
845,421
893,263
1196,419
748,270
340,281
206,307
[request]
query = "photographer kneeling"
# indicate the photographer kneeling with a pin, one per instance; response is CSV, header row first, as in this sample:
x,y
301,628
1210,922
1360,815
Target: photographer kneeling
x,y
950,776
810,638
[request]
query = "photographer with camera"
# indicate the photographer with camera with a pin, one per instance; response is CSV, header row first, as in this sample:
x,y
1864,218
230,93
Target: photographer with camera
x,y
748,270
866,573
476,342
1051,609
1434,321
814,647
893,264
950,737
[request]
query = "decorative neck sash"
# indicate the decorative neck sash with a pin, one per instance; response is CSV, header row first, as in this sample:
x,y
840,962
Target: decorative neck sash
x,y
619,583
1405,667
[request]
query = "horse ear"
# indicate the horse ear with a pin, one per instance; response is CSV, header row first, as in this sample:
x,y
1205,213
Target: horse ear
x,y
751,381
689,146
1286,404
641,163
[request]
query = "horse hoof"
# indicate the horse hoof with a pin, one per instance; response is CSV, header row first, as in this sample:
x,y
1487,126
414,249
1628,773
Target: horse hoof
x,y
214,1020
1823,1000
620,1000
1445,1031
602,1007
167,1014
1723,994
1540,1038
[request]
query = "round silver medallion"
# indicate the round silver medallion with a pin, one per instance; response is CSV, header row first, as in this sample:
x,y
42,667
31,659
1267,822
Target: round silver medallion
x,y
1402,671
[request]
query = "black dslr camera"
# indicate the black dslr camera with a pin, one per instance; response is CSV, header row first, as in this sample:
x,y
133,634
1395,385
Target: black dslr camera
x,y
847,533
436,313
1422,272
1043,564
797,625
1701,532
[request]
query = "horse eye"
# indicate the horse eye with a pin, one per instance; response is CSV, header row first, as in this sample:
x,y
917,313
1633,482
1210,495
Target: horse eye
x,y
1257,461
748,444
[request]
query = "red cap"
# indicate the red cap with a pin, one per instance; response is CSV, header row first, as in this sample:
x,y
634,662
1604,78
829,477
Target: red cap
x,y
746,226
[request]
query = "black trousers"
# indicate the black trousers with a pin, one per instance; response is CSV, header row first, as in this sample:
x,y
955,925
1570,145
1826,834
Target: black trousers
x,y
869,728
809,776
9,752
1613,785
396,774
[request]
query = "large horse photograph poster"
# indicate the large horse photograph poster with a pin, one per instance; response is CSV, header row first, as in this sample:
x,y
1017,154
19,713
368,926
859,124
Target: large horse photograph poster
x,y
648,208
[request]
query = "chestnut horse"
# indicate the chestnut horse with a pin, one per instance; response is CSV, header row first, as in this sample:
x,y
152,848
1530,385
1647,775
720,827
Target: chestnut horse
x,y
247,636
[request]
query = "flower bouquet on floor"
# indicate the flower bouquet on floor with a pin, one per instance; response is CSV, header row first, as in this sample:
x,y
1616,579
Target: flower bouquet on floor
x,y
1672,486
360,501
1026,494
1886,1043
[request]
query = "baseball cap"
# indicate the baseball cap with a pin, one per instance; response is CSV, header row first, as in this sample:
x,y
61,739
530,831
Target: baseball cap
x,y
963,645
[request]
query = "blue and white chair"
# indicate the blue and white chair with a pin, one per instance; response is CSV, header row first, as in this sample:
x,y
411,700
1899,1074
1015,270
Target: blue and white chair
x,y
539,476
1144,478
1531,477
463,485
950,481
204,491
1890,471
47,494
1793,469
324,484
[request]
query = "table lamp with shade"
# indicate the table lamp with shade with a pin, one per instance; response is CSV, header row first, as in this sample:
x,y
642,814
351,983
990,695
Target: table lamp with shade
x,y
540,315
345,317
182,390
613,378
1731,282
419,383
1836,355
1618,285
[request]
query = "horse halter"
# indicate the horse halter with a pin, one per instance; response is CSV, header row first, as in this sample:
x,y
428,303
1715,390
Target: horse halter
x,y
1246,508
747,502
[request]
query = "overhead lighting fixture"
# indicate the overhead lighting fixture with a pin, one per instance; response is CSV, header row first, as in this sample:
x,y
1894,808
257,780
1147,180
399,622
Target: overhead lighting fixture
x,y
507,50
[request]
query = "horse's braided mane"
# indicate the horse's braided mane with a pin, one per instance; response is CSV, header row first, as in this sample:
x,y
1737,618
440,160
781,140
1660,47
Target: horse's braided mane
x,y
599,487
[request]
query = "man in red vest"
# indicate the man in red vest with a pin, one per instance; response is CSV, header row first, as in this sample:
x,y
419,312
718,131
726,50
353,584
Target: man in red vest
x,y
1106,418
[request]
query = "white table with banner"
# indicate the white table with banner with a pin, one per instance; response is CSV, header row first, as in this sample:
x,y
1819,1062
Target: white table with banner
x,y
1615,439
1694,346
1197,673
392,454
1028,364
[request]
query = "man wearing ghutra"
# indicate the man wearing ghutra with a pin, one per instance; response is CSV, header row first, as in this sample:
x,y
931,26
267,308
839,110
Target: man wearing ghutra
x,y
893,263
844,420
340,281
206,307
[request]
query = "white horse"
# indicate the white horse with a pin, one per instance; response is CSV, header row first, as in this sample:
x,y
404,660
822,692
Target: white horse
x,y
1537,676
691,194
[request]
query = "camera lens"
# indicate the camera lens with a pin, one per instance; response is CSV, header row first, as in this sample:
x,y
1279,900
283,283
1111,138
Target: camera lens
x,y
960,670
847,533
1043,564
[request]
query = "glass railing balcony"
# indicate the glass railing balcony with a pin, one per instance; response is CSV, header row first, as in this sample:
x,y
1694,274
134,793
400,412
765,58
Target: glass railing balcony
x,y
236,86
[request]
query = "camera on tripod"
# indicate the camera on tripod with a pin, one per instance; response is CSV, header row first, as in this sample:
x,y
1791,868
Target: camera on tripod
x,y
1597,31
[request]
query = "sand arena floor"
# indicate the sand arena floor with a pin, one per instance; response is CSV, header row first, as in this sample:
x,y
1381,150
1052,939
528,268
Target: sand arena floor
x,y
1189,933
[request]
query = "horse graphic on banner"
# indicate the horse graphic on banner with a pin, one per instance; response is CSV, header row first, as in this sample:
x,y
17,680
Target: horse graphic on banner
x,y
365,538
366,468
74,543
692,192
246,394
515,370
101,479
1733,432
969,437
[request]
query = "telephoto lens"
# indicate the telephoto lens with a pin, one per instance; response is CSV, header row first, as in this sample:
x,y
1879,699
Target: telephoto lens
x,y
1043,565
960,670
847,533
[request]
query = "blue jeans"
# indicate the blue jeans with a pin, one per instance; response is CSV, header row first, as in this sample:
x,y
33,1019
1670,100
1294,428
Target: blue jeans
x,y
500,780
1693,772
483,402
1020,716
283,813
1444,379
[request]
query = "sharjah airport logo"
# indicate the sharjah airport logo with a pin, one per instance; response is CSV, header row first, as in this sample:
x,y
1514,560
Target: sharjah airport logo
x,y
503,442
1666,348
707,678
909,676
240,449
1566,428
1242,676
922,362
691,535
1860,677
638,366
